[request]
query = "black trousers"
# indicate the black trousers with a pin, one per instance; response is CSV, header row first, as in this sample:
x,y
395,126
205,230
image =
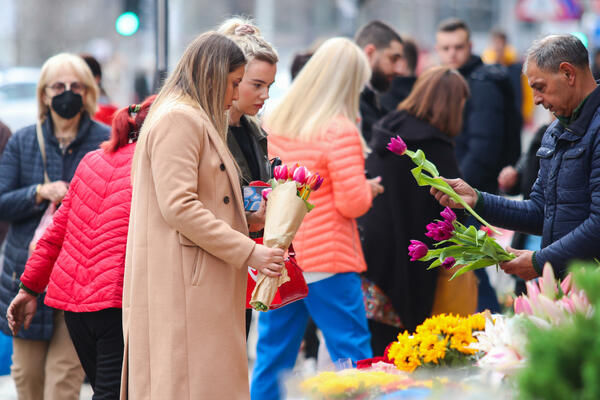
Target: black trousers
x,y
98,340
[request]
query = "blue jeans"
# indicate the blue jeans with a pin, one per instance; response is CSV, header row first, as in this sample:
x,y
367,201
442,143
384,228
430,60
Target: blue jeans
x,y
336,305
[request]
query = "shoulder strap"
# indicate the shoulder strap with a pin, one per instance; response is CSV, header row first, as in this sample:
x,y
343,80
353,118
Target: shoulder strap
x,y
42,144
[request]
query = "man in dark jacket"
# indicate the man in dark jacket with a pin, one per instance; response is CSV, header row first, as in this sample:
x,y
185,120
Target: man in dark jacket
x,y
565,200
383,48
402,84
479,146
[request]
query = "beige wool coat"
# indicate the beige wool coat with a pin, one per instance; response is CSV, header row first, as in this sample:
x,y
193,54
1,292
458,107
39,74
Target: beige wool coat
x,y
185,276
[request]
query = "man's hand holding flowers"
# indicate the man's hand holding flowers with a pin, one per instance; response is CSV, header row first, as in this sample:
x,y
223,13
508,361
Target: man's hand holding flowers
x,y
462,188
522,266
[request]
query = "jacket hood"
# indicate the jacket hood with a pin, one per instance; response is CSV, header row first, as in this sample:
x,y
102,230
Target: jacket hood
x,y
409,127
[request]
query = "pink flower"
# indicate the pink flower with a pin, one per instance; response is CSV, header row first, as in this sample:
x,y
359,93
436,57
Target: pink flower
x,y
280,172
291,171
397,145
565,285
439,231
522,306
448,262
448,214
300,175
417,250
265,193
314,181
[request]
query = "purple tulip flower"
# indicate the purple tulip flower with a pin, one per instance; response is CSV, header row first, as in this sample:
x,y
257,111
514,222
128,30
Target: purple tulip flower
x,y
439,231
417,250
448,214
397,145
448,262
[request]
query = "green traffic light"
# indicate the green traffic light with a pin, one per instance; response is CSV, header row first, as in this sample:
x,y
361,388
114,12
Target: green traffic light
x,y
127,23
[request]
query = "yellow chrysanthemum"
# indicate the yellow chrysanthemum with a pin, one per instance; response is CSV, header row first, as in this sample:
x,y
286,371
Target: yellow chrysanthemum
x,y
432,349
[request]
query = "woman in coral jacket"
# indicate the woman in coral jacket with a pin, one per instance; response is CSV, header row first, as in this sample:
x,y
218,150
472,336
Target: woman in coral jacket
x,y
81,256
316,125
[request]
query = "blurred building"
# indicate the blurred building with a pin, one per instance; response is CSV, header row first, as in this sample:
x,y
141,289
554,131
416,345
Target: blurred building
x,y
33,30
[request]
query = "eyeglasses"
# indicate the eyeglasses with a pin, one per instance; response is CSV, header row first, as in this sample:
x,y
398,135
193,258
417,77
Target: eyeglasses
x,y
59,87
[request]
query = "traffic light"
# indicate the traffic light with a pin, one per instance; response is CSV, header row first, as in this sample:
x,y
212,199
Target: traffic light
x,y
128,22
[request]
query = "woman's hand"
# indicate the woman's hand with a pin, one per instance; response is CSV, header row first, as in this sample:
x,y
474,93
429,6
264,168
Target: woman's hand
x,y
256,219
21,311
461,188
267,260
376,187
53,191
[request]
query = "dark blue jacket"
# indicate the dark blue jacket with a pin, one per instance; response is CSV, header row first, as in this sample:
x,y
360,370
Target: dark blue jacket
x,y
480,143
565,199
21,171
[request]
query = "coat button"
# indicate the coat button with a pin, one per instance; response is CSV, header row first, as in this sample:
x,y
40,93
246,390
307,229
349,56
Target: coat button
x,y
226,199
222,166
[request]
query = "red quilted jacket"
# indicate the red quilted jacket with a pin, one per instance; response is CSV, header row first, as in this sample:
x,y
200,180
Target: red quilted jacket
x,y
81,256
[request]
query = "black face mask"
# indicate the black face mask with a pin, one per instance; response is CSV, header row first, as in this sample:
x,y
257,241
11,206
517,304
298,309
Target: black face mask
x,y
67,104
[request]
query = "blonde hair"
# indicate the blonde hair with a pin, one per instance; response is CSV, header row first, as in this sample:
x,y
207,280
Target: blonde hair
x,y
62,62
329,85
248,37
200,80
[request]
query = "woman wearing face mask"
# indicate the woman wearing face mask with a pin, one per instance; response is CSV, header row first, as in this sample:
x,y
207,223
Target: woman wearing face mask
x,y
45,365
245,139
188,247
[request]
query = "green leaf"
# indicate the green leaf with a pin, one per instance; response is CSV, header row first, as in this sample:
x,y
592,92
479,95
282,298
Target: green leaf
x,y
488,248
481,263
435,264
431,254
452,251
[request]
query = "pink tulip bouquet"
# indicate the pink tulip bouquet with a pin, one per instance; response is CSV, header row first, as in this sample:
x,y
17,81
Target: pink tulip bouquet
x,y
286,207
469,248
426,174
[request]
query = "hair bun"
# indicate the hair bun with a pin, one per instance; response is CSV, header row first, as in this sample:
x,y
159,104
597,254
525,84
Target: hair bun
x,y
245,29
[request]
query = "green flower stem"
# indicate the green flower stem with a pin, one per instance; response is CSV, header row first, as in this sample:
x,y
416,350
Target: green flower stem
x,y
435,181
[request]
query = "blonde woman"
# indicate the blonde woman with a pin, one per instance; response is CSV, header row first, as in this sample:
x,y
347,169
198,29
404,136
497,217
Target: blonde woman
x,y
316,125
188,245
245,138
45,365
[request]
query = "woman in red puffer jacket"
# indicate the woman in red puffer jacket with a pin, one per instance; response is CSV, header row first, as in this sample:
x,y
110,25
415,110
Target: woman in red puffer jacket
x,y
81,257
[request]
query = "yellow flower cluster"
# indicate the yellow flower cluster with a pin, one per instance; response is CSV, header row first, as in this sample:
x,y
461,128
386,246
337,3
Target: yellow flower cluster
x,y
350,383
434,339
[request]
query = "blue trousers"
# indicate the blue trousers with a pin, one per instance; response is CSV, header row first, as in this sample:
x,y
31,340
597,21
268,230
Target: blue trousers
x,y
336,305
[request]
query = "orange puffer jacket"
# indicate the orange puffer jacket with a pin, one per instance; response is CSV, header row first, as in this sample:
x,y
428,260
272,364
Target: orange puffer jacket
x,y
328,239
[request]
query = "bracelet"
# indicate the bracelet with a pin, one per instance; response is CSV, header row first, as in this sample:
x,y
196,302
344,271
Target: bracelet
x,y
38,188
25,288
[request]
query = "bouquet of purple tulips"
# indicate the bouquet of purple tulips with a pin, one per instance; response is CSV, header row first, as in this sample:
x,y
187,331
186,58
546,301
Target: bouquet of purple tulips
x,y
470,248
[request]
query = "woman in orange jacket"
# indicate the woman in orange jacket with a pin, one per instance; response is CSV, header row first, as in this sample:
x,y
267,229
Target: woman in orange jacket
x,y
316,125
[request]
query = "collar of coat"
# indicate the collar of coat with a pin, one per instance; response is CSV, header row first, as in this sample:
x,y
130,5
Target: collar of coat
x,y
580,120
223,152
82,130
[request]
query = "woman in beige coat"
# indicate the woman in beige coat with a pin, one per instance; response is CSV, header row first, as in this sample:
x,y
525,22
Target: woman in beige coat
x,y
188,245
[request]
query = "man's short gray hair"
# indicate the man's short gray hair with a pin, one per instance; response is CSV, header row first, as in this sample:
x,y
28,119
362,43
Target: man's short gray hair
x,y
548,53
